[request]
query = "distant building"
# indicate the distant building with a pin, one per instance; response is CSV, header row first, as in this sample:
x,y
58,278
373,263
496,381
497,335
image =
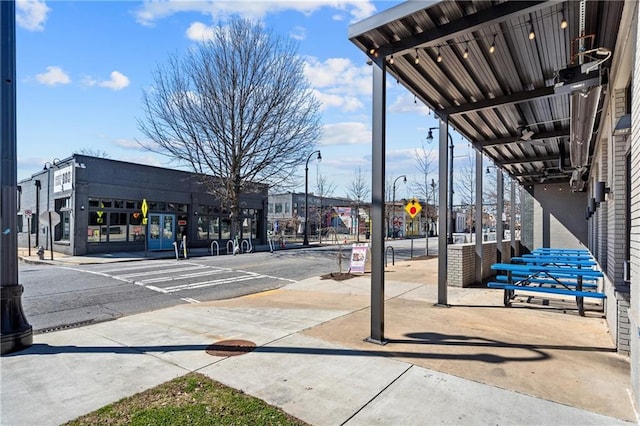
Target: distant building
x,y
286,214
99,205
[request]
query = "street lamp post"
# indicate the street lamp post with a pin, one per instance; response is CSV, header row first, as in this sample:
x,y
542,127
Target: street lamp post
x,y
450,221
306,197
393,205
47,167
17,333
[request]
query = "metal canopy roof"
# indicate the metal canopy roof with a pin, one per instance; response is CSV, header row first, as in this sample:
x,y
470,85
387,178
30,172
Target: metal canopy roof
x,y
514,103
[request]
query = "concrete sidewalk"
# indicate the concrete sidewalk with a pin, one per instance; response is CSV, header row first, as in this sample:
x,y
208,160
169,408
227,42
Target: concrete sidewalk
x,y
475,362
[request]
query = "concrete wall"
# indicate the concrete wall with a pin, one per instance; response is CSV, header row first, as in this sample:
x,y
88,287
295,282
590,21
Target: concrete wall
x,y
558,217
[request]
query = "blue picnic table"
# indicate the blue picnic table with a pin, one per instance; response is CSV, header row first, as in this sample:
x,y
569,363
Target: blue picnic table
x,y
568,279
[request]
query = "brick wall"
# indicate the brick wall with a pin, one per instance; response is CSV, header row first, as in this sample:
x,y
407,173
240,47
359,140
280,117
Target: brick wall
x,y
461,262
634,311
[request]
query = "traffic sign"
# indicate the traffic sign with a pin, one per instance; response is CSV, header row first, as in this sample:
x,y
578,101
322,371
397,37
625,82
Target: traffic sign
x,y
44,218
413,207
28,213
182,222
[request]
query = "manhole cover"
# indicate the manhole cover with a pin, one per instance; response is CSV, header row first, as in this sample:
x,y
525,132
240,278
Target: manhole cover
x,y
230,348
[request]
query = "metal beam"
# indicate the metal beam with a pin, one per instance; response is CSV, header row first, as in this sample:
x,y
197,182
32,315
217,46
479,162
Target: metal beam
x,y
527,160
478,217
499,209
513,98
464,25
513,139
444,220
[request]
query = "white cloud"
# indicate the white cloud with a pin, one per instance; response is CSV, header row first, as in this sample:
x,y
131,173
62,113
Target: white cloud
x,y
298,33
129,144
31,14
118,81
348,133
338,83
53,77
154,10
198,31
406,103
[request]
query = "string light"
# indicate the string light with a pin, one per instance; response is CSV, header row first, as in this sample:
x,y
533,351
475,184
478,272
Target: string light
x,y
492,48
465,55
563,23
532,33
391,60
372,51
439,59
417,60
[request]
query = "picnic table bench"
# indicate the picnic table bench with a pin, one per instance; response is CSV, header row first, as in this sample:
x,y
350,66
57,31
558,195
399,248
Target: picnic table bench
x,y
563,280
556,260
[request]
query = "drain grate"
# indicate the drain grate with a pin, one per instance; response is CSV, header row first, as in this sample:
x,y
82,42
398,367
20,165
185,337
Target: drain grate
x,y
230,348
64,327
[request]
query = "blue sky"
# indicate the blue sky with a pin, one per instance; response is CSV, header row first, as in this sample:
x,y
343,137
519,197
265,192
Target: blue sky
x,y
82,67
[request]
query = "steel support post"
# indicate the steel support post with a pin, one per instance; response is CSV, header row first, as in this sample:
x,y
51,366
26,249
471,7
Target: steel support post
x,y
377,202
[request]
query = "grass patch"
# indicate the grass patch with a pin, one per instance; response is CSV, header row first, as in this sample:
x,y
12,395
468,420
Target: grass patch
x,y
193,399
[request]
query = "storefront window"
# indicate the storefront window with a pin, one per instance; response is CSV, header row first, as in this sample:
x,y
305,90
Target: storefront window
x,y
117,227
94,230
203,228
136,228
65,222
225,231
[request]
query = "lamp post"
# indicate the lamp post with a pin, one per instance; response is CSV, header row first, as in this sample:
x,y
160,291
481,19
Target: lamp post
x,y
393,205
450,221
433,193
16,332
47,167
306,197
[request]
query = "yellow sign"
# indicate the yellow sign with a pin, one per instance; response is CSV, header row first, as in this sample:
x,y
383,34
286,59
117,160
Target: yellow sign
x,y
413,207
144,208
144,221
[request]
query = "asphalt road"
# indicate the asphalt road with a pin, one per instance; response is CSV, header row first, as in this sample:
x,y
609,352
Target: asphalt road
x,y
57,297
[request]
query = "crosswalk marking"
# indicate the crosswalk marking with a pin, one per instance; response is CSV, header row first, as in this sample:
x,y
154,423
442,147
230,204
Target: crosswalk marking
x,y
199,271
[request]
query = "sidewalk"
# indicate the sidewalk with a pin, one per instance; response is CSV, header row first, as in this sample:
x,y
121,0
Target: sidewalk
x,y
475,362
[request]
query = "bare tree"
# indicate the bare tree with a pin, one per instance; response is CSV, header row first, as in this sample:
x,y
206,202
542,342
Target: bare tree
x,y
93,152
325,189
358,191
424,185
237,110
465,187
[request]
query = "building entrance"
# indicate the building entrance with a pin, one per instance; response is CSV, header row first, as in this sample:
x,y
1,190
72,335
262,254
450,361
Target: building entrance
x,y
161,231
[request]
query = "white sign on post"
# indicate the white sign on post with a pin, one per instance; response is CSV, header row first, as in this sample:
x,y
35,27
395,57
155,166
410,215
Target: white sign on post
x,y
44,218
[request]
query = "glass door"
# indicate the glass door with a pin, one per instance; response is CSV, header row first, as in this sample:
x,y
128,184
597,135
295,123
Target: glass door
x,y
161,231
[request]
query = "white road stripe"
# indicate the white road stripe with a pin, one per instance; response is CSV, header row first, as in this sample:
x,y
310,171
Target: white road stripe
x,y
203,284
173,289
189,300
158,272
136,265
180,277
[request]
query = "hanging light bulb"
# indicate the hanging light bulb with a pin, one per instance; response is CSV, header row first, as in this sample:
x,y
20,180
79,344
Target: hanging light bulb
x,y
492,48
563,23
439,58
532,33
372,51
391,60
465,55
417,60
